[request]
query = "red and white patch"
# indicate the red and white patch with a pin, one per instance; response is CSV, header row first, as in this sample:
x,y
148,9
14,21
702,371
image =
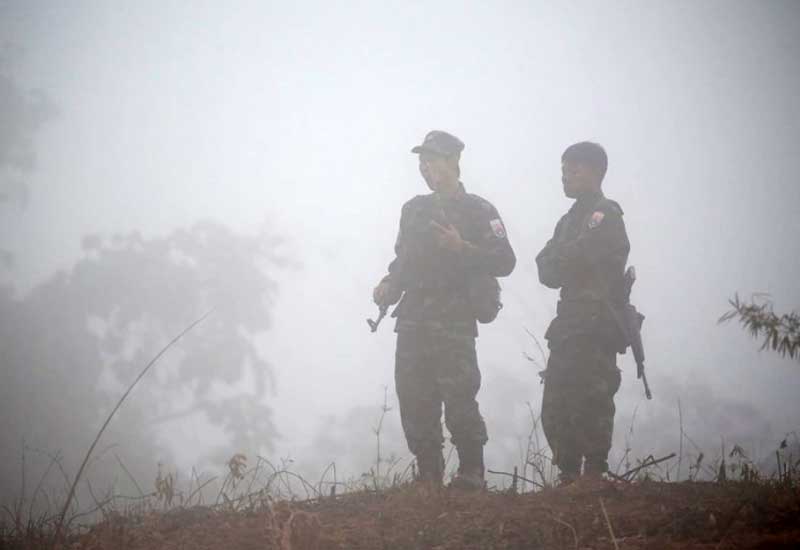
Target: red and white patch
x,y
596,219
497,228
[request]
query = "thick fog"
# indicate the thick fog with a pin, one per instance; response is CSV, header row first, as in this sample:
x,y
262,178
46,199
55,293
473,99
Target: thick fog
x,y
291,123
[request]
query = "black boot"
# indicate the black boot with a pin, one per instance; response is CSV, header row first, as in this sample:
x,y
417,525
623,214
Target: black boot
x,y
431,466
595,467
470,468
566,478
569,466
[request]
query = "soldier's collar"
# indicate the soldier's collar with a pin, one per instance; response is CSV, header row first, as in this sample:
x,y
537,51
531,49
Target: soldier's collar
x,y
460,193
587,200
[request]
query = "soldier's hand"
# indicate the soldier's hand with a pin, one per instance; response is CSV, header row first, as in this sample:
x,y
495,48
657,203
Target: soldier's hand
x,y
383,294
379,293
448,237
386,294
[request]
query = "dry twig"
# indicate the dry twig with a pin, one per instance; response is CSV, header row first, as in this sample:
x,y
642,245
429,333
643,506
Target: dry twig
x,y
60,524
608,523
516,476
649,461
568,526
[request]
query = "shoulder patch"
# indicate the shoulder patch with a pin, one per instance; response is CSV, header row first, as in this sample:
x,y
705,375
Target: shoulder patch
x,y
596,219
497,228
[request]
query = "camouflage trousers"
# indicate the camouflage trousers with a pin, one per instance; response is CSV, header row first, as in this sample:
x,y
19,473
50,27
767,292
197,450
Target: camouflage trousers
x,y
434,368
578,406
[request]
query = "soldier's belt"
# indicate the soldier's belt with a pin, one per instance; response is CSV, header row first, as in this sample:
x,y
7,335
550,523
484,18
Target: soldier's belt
x,y
426,289
569,308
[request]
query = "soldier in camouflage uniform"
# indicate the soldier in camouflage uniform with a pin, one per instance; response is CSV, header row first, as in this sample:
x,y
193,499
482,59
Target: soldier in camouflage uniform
x,y
585,259
446,238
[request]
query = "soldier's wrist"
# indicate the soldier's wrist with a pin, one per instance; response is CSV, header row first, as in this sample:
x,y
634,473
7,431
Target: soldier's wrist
x,y
469,254
467,247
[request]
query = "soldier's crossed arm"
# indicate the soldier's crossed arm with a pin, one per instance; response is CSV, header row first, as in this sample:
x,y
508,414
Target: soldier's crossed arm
x,y
548,266
603,237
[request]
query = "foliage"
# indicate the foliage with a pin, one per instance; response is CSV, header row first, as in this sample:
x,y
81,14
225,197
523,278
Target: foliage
x,y
72,344
781,333
22,114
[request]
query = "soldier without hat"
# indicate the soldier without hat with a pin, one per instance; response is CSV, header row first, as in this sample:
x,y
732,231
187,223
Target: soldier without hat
x,y
585,259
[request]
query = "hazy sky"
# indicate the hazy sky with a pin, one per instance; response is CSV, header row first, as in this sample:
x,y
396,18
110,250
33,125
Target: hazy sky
x,y
301,115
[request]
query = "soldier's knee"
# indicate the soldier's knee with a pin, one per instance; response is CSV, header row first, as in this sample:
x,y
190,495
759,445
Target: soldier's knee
x,y
466,425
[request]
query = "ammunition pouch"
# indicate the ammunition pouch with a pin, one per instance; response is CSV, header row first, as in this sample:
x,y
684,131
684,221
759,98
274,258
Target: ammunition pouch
x,y
483,292
588,321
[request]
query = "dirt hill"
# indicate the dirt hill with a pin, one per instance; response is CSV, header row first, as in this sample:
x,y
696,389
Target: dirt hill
x,y
640,515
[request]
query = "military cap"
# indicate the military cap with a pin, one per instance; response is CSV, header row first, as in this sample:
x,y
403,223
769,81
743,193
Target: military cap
x,y
440,143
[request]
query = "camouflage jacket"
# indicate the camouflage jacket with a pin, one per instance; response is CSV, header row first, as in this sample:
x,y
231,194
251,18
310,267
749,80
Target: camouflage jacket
x,y
586,259
433,279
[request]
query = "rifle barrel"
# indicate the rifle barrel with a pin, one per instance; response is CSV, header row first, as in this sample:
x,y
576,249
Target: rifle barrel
x,y
646,385
373,325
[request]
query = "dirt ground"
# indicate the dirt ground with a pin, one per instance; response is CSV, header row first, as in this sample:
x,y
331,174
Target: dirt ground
x,y
653,515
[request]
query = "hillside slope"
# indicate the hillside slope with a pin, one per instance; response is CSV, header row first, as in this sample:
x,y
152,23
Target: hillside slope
x,y
642,515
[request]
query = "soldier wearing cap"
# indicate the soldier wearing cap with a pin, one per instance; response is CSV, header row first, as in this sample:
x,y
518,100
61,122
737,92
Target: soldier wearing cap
x,y
586,260
447,239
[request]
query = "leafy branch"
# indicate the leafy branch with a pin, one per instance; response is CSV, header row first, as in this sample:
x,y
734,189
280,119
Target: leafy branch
x,y
781,333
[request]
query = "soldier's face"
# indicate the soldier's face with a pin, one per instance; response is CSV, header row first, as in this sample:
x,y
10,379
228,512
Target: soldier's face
x,y
435,169
577,179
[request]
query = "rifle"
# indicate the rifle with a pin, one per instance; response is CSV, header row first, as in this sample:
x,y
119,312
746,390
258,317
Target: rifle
x,y
632,326
373,325
420,247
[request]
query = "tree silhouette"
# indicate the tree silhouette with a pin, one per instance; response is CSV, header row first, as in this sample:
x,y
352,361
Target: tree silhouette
x,y
71,345
22,115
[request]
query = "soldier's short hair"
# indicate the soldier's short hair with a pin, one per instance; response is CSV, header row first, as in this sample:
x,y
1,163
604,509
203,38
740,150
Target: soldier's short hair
x,y
589,153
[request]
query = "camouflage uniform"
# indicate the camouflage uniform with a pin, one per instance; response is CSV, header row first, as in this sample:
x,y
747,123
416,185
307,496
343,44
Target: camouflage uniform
x,y
586,259
436,329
